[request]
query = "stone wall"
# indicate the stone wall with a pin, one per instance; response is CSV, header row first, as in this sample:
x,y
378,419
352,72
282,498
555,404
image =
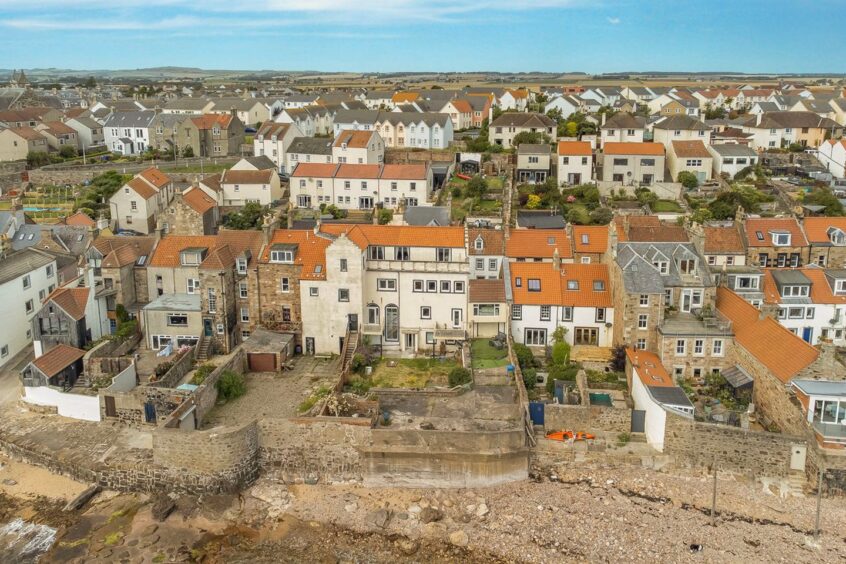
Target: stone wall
x,y
751,453
706,362
312,452
400,156
590,419
205,396
109,358
181,367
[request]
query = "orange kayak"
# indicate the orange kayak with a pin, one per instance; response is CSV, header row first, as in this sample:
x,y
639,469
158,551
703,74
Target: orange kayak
x,y
569,436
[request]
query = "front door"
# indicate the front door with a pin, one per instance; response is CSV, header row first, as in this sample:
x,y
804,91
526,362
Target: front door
x,y
807,334
309,345
352,322
456,317
365,202
207,327
686,301
797,457
647,179
410,341
574,178
586,336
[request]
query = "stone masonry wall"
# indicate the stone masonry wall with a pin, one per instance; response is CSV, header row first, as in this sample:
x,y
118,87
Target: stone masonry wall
x,y
590,419
755,454
706,361
180,368
205,396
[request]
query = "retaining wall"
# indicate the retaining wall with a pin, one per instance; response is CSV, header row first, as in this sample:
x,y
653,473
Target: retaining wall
x,y
586,418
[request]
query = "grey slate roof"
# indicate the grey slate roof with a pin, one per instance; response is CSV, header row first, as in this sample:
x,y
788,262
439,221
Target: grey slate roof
x,y
734,150
640,277
360,116
534,149
22,262
130,119
261,162
821,387
427,215
670,395
539,220
768,106
682,122
429,118
311,146
523,119
625,120
187,104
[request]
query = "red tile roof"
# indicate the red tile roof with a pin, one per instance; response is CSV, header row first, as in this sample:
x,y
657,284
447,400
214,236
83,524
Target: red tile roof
x,y
570,148
649,368
167,253
821,292
311,251
247,176
57,359
538,243
782,352
487,291
142,188
493,241
71,300
398,235
80,218
155,177
405,171
691,150
315,170
354,139
554,285
723,240
615,148
597,238
765,226
816,228
208,121
198,200
366,171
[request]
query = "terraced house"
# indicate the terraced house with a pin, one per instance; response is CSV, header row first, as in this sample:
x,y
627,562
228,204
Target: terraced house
x,y
211,135
775,242
137,204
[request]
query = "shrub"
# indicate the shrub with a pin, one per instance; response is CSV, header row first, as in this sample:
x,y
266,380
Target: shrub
x,y
618,362
456,191
67,152
477,187
188,152
125,330
623,439
231,385
121,314
524,355
163,368
688,179
37,158
385,216
533,202
459,376
202,373
357,363
530,378
601,216
560,353
559,372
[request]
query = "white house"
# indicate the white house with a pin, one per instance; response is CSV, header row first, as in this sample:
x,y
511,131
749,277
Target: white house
x,y
567,105
415,130
486,248
355,120
308,150
832,155
128,133
732,158
26,278
575,162
551,295
680,128
137,204
358,147
89,132
654,393
273,139
622,128
239,187
811,302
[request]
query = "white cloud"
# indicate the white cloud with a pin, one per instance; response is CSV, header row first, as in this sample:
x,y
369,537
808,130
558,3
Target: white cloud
x,y
613,21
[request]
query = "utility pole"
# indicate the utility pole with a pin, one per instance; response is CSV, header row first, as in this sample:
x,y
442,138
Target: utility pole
x,y
714,497
819,503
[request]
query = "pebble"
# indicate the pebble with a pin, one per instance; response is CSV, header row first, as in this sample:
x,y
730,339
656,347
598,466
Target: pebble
x,y
350,507
482,510
459,538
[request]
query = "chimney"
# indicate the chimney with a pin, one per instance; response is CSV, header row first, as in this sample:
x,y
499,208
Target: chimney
x,y
233,112
157,109
267,227
556,260
604,115
738,214
290,215
159,229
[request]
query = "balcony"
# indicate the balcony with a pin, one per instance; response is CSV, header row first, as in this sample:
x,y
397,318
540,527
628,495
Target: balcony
x,y
371,329
831,432
419,266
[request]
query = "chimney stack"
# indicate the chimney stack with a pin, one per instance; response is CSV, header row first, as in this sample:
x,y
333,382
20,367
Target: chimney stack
x,y
159,229
556,260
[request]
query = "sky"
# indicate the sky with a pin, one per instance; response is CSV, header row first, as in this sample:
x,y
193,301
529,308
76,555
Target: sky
x,y
593,36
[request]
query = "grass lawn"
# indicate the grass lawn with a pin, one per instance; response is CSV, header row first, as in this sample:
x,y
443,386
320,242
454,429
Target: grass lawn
x,y
411,373
666,206
206,168
495,183
485,356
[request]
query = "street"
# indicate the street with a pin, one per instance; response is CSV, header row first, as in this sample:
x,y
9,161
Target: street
x,y
10,387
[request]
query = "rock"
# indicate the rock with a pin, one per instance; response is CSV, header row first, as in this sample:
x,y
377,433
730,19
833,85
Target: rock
x,y
448,503
149,530
148,541
470,508
414,509
482,510
350,507
9,482
381,518
162,507
79,501
459,538
402,516
311,479
427,426
408,546
430,515
424,503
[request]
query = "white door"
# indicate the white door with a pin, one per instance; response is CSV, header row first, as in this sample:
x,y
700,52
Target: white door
x,y
456,317
797,457
686,299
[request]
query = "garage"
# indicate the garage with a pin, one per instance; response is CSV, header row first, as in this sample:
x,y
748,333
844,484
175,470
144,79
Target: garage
x,y
261,362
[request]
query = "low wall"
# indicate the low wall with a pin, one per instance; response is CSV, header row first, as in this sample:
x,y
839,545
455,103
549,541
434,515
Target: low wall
x,y
60,174
205,396
752,453
393,156
109,357
181,367
586,418
75,406
124,381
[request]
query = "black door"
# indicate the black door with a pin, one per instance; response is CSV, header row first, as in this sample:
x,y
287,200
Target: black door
x,y
207,327
638,421
352,321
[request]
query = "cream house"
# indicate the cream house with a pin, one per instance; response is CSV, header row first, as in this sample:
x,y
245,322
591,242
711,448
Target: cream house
x,y
138,203
575,163
690,156
358,147
239,187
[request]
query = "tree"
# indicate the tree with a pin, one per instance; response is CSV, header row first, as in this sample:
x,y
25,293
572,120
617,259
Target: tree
x,y
578,215
37,158
248,217
824,197
561,353
702,215
601,216
477,187
188,152
714,113
688,179
67,152
385,216
531,137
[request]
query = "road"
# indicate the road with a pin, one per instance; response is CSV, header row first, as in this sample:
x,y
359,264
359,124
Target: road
x,y
10,383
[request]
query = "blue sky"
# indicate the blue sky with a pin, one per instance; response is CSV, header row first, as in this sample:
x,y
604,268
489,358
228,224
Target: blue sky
x,y
417,35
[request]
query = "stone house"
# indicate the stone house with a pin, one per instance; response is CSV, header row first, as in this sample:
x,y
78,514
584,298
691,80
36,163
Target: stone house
x,y
827,241
137,205
211,135
192,212
775,242
58,135
119,266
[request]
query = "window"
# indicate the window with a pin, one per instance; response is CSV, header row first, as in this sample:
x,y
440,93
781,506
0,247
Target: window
x,y
647,162
572,284
687,266
693,162
681,345
534,285
4,351
29,306
717,347
796,312
443,254
402,253
640,344
242,265
41,295
26,282
699,346
535,337
49,270
417,286
177,319
809,313
729,260
712,260
781,239
662,266
430,337
343,295
486,309
286,313
644,300
376,253
386,284
282,256
600,314
245,315
516,312
425,312
446,286
545,313
242,290
795,291
621,162
567,313
480,264
431,286
763,259
642,321
518,282
458,287
212,300
533,160
133,205
193,285
391,331
598,285
492,264
284,284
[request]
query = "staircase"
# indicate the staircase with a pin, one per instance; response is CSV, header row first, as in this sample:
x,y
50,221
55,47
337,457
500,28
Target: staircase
x,y
350,346
796,481
203,350
358,215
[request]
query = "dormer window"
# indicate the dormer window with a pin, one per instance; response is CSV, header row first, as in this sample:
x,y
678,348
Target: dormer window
x,y
836,236
242,265
585,239
795,291
687,266
572,284
598,285
192,257
781,239
479,244
662,266
283,254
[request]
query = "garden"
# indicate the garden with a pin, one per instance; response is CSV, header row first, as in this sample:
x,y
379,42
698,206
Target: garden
x,y
478,196
580,204
409,373
485,355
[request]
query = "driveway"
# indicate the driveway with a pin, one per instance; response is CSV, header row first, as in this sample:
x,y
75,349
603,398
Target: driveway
x,y
10,383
